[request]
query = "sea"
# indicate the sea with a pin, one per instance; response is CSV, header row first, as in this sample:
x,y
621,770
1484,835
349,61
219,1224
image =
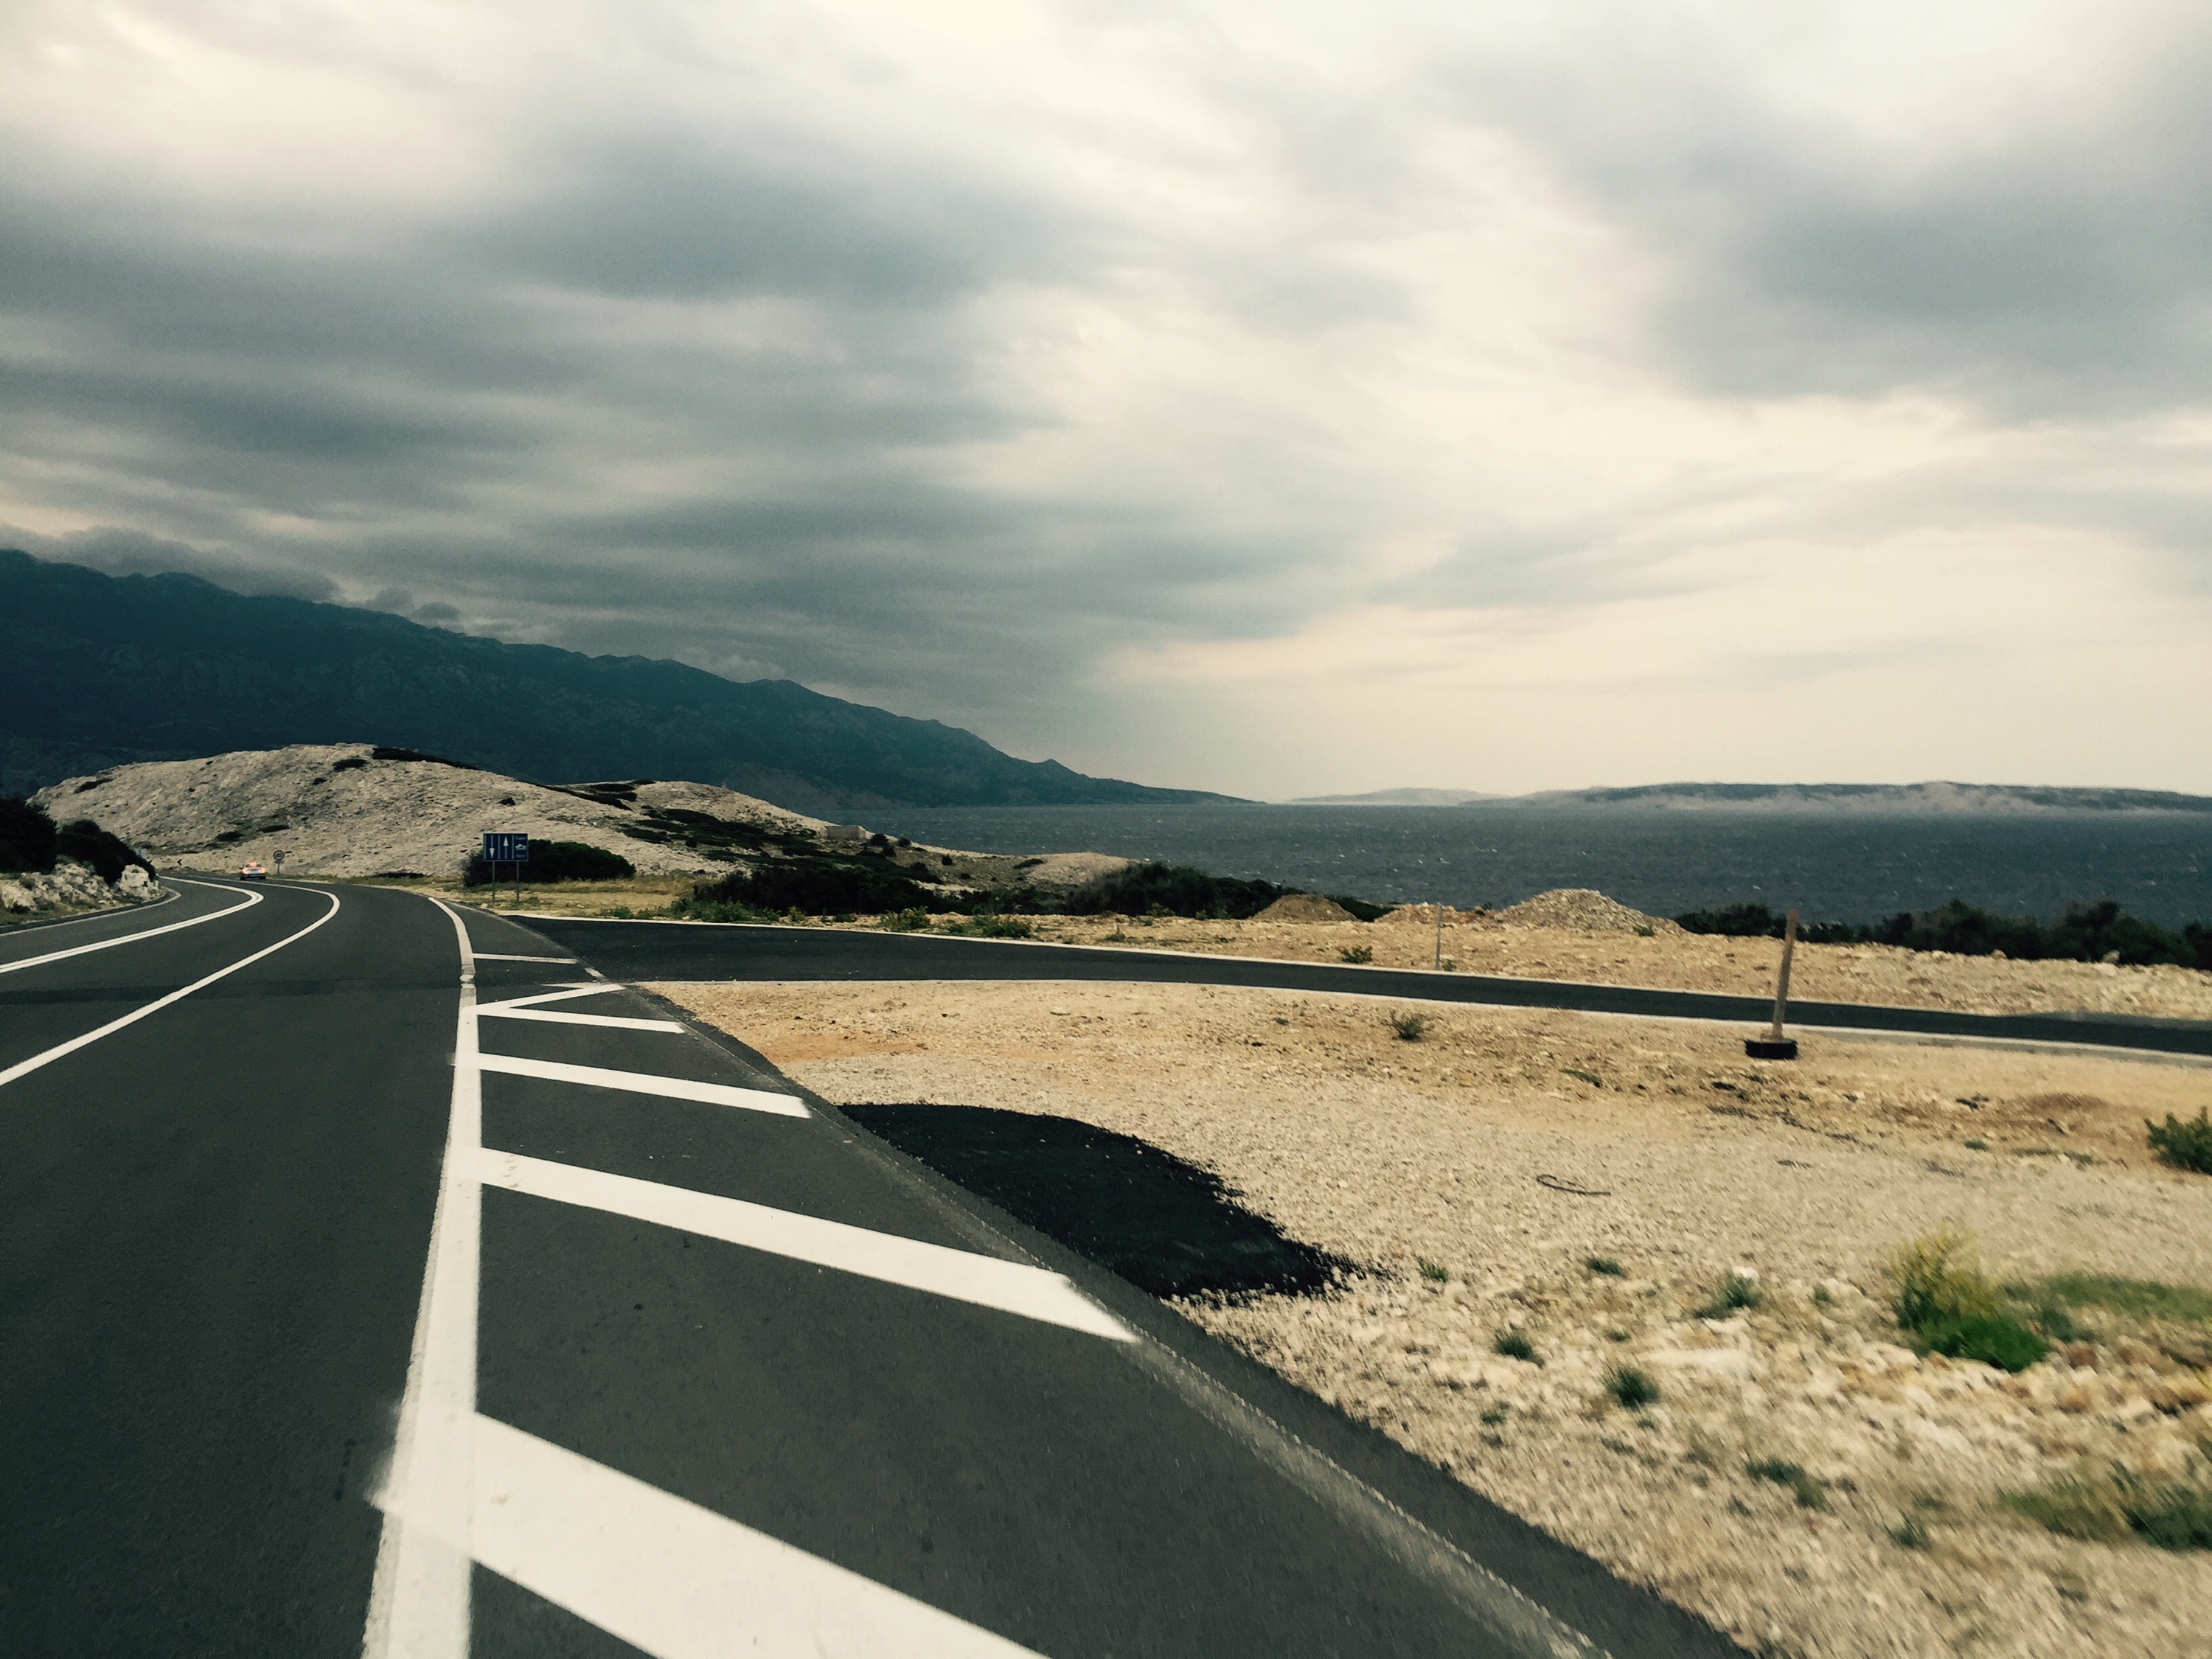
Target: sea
x,y
1840,866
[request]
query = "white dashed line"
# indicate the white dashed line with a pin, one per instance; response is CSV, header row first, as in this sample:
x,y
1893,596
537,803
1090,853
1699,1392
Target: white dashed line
x,y
645,1083
680,1581
1013,1287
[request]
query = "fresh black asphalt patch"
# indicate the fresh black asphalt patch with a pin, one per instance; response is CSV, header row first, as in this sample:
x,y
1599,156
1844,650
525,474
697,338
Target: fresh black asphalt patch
x,y
1165,1226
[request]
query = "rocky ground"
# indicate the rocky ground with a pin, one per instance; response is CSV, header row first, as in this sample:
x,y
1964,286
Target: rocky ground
x,y
70,889
1509,1150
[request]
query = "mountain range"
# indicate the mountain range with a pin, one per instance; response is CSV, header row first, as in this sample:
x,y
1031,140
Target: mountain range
x,y
1939,797
98,671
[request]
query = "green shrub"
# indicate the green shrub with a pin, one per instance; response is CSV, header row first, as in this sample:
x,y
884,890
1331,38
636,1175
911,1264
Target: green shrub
x,y
1001,928
1515,1345
814,884
1591,1077
910,920
1994,1339
1435,1272
1631,1388
1410,1025
1175,890
552,860
88,844
724,911
27,838
1604,1266
2183,1144
1809,1492
1358,955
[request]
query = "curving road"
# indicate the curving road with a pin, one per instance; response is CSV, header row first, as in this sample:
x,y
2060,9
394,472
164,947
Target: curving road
x,y
380,1280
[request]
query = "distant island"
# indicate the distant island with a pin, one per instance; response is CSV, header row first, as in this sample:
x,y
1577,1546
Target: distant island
x,y
1893,798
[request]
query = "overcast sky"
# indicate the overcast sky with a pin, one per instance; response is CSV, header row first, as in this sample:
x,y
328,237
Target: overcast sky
x,y
1259,398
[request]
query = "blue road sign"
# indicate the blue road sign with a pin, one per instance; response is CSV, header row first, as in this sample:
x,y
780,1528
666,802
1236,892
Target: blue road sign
x,y
506,846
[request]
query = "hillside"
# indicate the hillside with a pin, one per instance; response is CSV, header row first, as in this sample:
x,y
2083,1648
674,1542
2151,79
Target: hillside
x,y
97,671
1914,798
349,810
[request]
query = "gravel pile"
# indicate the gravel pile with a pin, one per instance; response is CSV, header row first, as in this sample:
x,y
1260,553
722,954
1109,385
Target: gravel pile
x,y
1584,910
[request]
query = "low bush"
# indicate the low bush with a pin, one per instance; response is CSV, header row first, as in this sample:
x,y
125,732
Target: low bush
x,y
2084,933
87,843
1604,1266
2172,1513
816,885
1994,1339
908,921
1410,1026
1358,955
1435,1272
699,909
2183,1144
1934,1281
1173,890
553,861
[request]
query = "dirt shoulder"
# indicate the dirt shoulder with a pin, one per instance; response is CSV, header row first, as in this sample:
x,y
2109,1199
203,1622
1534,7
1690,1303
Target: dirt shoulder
x,y
1509,1148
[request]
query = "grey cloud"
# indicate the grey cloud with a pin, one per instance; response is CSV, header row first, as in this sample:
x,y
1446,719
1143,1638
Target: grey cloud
x,y
2066,272
129,553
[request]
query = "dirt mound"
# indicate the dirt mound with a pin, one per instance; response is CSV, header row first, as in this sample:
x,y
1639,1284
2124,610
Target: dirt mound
x,y
1305,906
1584,910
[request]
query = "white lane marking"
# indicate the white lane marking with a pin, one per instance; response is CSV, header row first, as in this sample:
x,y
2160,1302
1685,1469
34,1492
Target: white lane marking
x,y
645,1083
245,903
616,1021
569,994
418,1602
23,1067
1013,1287
680,1581
493,956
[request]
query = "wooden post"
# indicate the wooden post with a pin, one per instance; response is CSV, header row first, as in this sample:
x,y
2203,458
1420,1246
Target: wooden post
x,y
1782,980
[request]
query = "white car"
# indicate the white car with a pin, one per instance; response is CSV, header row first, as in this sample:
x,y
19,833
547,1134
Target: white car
x,y
255,870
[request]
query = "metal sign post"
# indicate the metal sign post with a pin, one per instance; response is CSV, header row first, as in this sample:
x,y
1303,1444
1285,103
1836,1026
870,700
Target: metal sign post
x,y
1774,1045
507,847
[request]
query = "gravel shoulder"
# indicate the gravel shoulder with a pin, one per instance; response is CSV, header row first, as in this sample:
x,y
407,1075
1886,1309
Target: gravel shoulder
x,y
1508,1148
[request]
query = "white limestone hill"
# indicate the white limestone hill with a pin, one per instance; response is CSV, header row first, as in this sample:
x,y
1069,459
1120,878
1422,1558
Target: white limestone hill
x,y
352,809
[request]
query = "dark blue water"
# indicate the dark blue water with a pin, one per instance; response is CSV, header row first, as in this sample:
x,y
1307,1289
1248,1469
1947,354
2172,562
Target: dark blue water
x,y
1832,866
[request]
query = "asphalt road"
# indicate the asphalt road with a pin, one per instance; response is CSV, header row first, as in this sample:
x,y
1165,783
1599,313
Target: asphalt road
x,y
649,951
370,1283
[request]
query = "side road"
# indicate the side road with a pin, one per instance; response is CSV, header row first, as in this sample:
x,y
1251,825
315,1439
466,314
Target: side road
x,y
662,950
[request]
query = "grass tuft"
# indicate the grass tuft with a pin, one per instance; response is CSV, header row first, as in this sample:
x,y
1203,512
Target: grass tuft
x,y
1358,955
1605,1266
1435,1272
1514,1344
1410,1026
2137,1299
1631,1388
1736,1293
1934,1280
1591,1077
1809,1492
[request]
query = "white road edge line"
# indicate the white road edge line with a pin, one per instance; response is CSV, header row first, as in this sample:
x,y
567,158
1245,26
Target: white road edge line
x,y
551,1017
24,1067
418,1600
1013,1287
680,1581
245,904
645,1083
493,956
